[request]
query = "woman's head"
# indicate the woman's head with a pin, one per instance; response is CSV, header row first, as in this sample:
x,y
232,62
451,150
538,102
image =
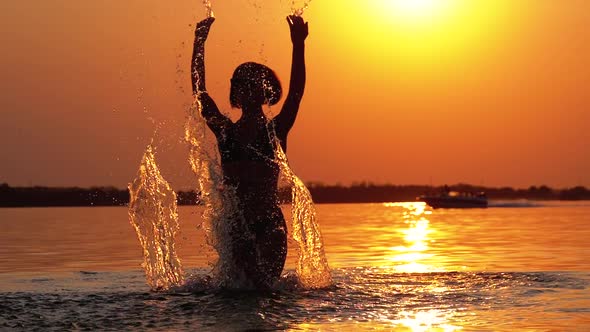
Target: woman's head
x,y
255,84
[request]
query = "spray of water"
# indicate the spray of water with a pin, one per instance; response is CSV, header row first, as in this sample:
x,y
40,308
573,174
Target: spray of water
x,y
208,7
153,214
299,10
312,266
222,217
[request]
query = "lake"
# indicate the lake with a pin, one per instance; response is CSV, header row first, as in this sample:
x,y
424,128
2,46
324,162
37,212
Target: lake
x,y
517,265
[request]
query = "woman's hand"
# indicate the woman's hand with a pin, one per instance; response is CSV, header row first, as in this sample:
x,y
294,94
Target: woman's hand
x,y
299,30
198,62
202,30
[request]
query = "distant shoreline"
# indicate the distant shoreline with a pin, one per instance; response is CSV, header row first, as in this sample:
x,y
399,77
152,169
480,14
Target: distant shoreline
x,y
11,197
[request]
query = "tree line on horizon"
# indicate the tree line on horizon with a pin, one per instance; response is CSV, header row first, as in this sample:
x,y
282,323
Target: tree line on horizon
x,y
39,196
356,193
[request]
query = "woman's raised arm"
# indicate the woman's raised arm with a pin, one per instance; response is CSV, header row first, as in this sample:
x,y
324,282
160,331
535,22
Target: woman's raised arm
x,y
286,118
215,120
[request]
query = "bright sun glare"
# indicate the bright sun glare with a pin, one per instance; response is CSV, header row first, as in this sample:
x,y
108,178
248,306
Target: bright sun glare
x,y
414,7
413,12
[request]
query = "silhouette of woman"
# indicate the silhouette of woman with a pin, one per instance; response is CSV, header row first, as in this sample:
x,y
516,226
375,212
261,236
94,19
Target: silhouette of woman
x,y
247,151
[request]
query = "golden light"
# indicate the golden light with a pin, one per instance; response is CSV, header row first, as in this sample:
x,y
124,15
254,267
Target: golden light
x,y
415,7
414,13
414,256
416,39
422,321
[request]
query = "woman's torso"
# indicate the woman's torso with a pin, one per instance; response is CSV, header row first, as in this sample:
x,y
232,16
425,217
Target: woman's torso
x,y
248,161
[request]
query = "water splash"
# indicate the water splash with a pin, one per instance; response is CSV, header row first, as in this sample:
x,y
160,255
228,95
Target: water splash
x,y
208,7
153,214
222,216
299,10
312,266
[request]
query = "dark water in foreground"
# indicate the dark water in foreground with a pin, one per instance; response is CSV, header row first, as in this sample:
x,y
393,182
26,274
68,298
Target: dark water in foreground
x,y
396,267
360,299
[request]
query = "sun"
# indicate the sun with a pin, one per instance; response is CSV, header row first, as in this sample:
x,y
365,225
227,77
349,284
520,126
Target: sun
x,y
413,12
415,8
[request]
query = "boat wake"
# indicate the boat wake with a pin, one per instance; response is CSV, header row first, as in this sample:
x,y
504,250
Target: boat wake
x,y
514,204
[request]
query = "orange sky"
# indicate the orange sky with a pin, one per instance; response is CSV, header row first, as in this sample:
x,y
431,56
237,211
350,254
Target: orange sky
x,y
491,92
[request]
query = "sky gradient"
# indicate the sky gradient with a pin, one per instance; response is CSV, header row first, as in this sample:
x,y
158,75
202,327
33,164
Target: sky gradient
x,y
491,92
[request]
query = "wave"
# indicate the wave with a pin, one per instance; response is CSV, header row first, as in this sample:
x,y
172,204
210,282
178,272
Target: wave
x,y
524,203
514,204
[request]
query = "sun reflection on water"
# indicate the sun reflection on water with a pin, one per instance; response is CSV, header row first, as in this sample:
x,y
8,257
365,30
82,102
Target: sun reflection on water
x,y
431,320
409,321
412,257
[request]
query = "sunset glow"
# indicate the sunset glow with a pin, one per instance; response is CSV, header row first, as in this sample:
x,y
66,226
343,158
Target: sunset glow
x,y
295,165
432,320
415,9
420,38
417,15
414,256
502,83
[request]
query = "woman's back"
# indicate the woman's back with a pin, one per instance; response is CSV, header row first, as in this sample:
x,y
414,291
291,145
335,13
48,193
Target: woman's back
x,y
248,159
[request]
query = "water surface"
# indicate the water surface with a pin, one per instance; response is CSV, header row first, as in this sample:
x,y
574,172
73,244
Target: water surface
x,y
395,266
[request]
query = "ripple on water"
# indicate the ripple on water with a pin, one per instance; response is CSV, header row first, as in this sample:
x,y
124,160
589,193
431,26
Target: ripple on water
x,y
362,297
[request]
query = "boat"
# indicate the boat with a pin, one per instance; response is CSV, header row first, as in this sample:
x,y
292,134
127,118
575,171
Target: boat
x,y
456,200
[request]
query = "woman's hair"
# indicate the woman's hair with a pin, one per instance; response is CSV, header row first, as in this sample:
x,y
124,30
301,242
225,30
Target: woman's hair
x,y
254,80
